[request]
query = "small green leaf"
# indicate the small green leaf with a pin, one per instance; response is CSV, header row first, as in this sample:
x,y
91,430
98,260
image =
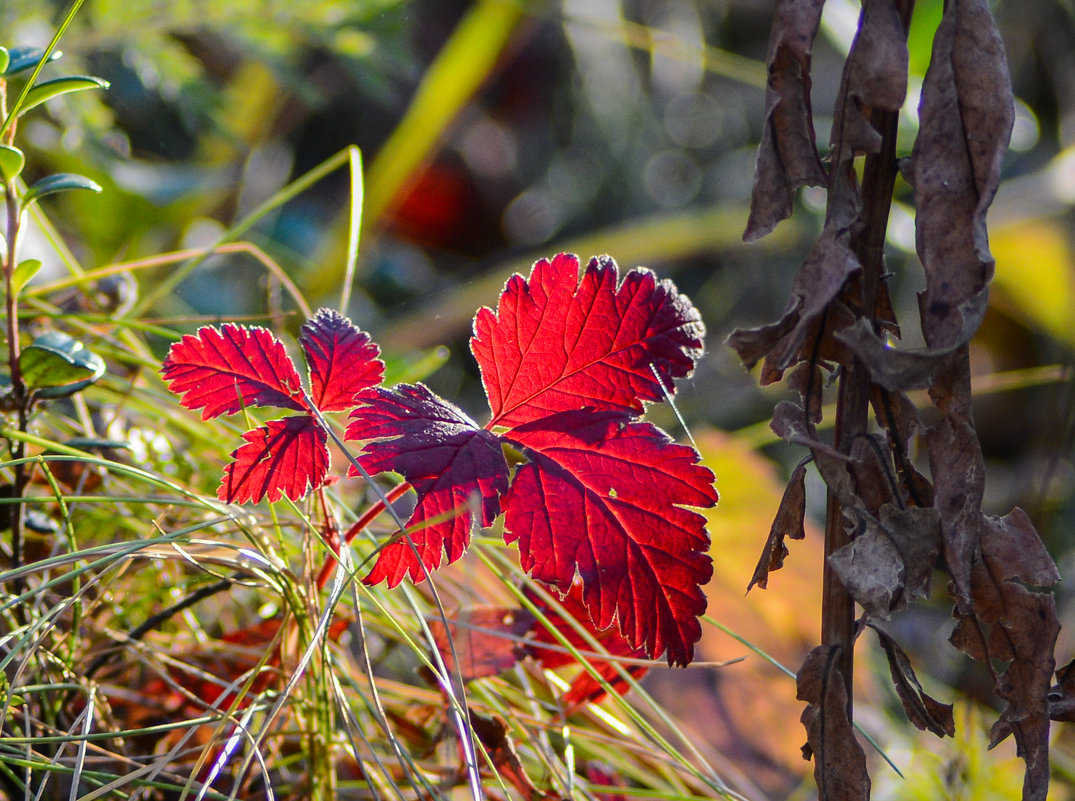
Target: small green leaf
x,y
5,59
56,364
24,272
60,182
11,161
24,58
59,86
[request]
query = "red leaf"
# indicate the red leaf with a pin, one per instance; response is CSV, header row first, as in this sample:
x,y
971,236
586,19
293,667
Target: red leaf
x,y
342,360
454,466
605,500
227,369
283,457
556,343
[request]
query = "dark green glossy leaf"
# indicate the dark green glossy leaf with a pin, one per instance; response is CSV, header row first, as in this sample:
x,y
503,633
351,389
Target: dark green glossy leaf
x,y
59,86
60,182
25,58
56,364
11,161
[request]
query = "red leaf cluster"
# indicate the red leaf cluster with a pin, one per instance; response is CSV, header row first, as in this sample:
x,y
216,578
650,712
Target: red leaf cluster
x,y
568,362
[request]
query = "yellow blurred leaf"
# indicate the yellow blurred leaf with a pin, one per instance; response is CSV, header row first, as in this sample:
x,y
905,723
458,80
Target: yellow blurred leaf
x,y
1035,275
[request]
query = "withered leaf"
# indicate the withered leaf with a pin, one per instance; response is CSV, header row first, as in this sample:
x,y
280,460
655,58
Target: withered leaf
x,y
871,470
807,380
965,119
892,368
891,562
1062,694
839,761
486,640
925,712
875,76
1014,551
789,522
818,282
916,532
898,415
955,460
1009,622
492,731
871,569
787,155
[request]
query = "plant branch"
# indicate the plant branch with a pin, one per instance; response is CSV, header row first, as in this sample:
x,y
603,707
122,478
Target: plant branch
x,y
853,401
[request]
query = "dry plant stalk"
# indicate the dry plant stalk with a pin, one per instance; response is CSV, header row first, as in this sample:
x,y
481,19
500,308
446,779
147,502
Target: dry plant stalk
x,y
888,526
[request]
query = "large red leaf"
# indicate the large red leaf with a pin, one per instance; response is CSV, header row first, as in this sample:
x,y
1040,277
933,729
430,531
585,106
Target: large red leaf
x,y
454,466
283,457
226,369
557,343
342,360
605,500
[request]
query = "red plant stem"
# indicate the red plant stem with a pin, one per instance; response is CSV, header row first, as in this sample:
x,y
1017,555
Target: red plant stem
x,y
367,517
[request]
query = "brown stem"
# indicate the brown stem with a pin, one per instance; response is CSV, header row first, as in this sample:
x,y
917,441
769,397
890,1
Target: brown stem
x,y
853,399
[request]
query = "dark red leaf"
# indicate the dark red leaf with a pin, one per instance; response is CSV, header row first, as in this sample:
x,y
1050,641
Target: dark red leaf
x,y
342,360
546,648
482,641
557,343
283,457
605,500
454,466
226,369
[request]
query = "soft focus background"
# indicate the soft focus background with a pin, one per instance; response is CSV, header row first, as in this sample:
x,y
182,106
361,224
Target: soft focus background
x,y
494,133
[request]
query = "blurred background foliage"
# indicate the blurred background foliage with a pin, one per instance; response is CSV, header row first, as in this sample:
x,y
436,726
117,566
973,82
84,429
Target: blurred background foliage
x,y
496,132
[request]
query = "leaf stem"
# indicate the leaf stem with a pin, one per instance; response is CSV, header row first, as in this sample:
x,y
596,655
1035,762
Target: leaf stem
x,y
367,517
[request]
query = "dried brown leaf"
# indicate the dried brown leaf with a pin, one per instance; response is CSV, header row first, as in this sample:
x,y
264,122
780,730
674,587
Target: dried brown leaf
x,y
789,522
871,471
892,368
787,155
925,712
896,413
965,119
916,533
818,282
890,564
871,569
839,761
1062,694
955,459
807,380
875,76
1011,623
1014,551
